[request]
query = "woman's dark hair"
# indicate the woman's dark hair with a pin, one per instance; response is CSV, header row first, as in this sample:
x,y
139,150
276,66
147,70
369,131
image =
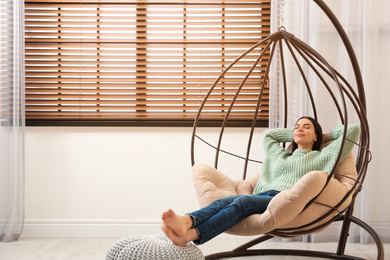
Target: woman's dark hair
x,y
318,131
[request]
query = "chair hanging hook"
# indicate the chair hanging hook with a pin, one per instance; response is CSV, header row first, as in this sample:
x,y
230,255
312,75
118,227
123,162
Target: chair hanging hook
x,y
281,4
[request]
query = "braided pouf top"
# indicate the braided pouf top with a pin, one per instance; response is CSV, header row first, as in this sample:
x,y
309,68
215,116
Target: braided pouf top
x,y
152,247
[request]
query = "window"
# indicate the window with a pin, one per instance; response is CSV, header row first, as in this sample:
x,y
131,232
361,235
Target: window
x,y
130,62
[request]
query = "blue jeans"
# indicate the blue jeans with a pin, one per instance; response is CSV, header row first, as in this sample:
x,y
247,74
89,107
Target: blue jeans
x,y
223,214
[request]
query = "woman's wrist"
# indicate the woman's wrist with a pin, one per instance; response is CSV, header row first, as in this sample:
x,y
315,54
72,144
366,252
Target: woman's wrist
x,y
326,137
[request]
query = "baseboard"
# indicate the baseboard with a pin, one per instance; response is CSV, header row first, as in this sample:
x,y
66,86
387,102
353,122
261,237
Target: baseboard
x,y
98,228
90,228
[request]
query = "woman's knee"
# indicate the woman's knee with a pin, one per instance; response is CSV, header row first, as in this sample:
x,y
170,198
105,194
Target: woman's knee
x,y
243,201
253,204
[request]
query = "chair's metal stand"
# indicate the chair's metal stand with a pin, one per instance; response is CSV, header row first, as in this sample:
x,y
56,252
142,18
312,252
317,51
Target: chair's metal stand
x,y
245,250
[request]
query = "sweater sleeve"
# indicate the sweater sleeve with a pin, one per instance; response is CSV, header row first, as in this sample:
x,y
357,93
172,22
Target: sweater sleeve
x,y
353,134
273,138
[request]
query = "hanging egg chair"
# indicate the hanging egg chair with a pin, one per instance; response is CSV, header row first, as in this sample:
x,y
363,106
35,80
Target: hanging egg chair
x,y
313,205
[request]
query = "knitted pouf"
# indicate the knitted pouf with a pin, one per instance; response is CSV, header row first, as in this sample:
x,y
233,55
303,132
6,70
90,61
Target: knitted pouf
x,y
152,247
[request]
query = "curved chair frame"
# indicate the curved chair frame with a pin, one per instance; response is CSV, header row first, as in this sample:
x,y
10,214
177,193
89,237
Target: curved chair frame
x,y
354,95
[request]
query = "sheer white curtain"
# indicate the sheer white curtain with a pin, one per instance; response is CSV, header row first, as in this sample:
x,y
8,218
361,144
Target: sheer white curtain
x,y
12,120
367,24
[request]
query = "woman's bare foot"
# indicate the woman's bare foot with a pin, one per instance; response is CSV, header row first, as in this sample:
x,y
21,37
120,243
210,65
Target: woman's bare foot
x,y
175,238
177,223
180,240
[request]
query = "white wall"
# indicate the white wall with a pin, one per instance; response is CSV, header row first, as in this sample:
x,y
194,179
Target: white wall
x,y
109,181
117,181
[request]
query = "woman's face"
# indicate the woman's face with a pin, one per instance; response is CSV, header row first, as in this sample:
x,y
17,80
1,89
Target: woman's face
x,y
304,134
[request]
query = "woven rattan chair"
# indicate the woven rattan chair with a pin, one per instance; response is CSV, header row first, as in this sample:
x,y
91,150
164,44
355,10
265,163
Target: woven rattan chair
x,y
313,211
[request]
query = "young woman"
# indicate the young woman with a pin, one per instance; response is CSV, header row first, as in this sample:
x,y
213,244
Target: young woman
x,y
280,171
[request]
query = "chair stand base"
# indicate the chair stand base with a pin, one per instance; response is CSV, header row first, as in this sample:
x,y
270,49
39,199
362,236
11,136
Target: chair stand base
x,y
290,252
245,251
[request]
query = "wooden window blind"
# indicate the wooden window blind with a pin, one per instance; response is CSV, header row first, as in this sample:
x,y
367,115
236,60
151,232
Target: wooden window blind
x,y
135,61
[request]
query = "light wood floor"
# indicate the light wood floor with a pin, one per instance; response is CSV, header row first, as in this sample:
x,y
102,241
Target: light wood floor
x,y
96,248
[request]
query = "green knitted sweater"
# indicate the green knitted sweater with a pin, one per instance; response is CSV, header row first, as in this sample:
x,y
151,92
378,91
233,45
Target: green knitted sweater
x,y
282,169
